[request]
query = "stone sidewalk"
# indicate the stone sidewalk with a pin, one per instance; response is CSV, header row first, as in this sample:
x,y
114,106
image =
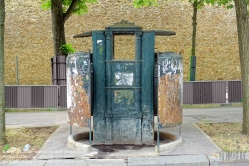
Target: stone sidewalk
x,y
196,148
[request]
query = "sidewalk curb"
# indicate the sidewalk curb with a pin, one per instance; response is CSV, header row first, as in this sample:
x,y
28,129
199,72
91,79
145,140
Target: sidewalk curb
x,y
209,139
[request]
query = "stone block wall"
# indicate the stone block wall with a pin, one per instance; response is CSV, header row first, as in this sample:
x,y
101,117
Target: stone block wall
x,y
28,35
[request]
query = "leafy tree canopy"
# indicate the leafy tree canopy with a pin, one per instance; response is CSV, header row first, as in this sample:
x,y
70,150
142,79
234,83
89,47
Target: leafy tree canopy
x,y
146,3
80,8
228,3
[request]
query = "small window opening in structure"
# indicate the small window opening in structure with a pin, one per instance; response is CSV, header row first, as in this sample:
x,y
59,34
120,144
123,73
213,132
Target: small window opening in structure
x,y
124,47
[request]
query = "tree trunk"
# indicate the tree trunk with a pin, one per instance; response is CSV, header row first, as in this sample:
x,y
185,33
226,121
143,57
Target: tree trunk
x,y
57,26
2,90
193,57
243,37
194,23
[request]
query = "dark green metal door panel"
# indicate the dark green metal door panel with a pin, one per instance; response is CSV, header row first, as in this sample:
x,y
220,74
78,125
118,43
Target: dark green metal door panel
x,y
99,72
108,93
126,131
148,41
123,101
99,125
98,38
123,89
147,71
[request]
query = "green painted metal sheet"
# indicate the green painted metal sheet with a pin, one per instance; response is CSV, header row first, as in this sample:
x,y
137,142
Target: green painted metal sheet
x,y
148,41
99,55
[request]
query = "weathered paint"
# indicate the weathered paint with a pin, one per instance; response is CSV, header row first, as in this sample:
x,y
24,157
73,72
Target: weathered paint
x,y
170,87
125,134
117,91
99,103
123,89
78,89
124,78
148,45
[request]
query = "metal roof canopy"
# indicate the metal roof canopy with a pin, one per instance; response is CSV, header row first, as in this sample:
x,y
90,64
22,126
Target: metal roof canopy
x,y
125,28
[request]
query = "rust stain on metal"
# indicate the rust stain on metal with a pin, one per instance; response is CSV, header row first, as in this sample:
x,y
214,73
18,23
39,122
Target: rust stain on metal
x,y
79,112
169,100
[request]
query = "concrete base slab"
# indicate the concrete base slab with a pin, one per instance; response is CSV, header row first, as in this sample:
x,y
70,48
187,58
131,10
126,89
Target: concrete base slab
x,y
176,140
80,142
72,142
193,142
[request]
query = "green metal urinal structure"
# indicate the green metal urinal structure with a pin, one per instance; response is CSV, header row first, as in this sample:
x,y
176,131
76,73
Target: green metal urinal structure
x,y
124,95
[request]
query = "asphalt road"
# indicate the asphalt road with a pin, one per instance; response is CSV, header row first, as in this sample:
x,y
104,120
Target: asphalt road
x,y
192,115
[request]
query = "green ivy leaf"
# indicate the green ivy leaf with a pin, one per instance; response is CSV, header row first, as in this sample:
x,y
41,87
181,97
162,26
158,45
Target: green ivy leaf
x,y
46,4
144,3
67,49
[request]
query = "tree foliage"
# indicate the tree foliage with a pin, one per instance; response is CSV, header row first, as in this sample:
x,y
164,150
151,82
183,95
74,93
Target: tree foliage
x,y
80,6
146,3
196,4
229,4
61,10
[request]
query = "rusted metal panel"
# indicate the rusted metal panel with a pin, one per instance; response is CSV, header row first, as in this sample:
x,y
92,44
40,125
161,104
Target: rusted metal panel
x,y
188,93
234,91
79,89
170,89
219,91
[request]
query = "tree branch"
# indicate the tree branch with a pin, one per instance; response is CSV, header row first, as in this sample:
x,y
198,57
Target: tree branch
x,y
192,3
70,10
199,2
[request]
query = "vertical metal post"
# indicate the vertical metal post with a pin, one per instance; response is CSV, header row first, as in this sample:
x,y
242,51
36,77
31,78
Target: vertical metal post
x,y
192,68
90,133
158,132
17,76
180,129
158,135
138,58
71,130
109,58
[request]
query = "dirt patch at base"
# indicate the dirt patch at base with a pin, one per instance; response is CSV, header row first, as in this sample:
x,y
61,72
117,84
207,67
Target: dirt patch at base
x,y
227,136
19,137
